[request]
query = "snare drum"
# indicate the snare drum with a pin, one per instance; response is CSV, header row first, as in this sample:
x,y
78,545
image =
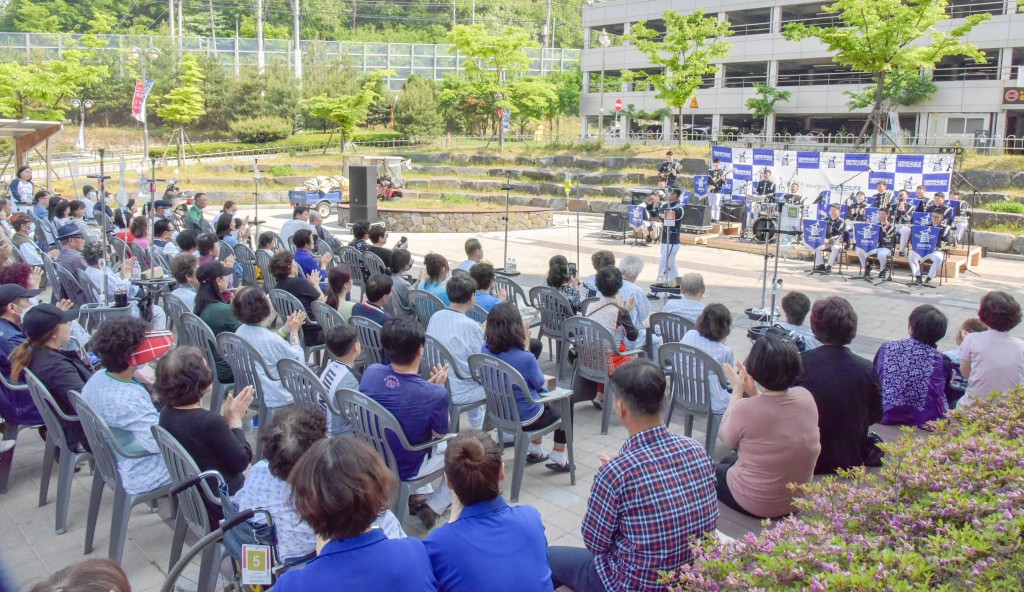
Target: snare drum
x,y
764,229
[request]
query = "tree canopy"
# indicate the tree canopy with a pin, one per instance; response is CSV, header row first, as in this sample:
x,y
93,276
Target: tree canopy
x,y
44,90
347,112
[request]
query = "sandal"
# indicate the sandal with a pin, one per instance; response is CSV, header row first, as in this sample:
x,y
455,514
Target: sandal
x,y
558,468
532,459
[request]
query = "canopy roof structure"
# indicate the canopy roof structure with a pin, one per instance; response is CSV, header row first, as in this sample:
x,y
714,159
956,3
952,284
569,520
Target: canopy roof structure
x,y
27,135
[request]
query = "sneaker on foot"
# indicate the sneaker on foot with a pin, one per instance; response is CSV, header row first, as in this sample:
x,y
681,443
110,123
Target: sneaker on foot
x,y
428,517
674,297
928,280
652,296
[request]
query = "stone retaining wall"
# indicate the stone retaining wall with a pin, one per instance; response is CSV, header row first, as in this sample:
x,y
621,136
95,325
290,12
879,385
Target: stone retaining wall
x,y
398,220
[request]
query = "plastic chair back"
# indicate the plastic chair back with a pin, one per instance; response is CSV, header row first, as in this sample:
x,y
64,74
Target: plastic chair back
x,y
516,294
245,257
182,468
371,422
477,313
554,308
369,337
49,410
425,304
499,380
375,264
671,326
175,307
101,440
263,261
594,344
140,255
327,316
225,250
354,259
303,384
690,373
69,286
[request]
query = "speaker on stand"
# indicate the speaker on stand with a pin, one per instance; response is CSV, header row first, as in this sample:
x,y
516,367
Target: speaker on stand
x,y
362,193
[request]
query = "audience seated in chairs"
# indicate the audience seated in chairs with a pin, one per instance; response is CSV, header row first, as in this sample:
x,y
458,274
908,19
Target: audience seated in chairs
x,y
378,292
210,306
339,287
914,375
993,360
483,274
16,406
185,242
614,314
340,487
183,268
378,236
213,441
599,260
47,328
139,229
506,337
474,254
713,325
289,434
463,337
401,262
691,288
95,574
123,345
628,539
72,241
288,275
434,275
774,425
98,275
631,266
420,406
344,347
515,556
252,307
304,258
795,306
845,388
560,279
957,384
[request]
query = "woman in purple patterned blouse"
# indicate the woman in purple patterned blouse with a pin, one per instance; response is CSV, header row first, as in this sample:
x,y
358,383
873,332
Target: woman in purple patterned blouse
x,y
914,373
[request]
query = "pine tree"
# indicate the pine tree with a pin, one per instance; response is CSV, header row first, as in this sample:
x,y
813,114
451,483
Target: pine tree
x,y
418,113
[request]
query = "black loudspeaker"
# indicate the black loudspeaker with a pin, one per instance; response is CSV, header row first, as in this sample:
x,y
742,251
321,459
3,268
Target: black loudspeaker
x,y
697,216
616,222
362,193
732,210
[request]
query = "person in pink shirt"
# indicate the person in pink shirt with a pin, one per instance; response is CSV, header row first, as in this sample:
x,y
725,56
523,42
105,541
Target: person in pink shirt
x,y
775,427
993,360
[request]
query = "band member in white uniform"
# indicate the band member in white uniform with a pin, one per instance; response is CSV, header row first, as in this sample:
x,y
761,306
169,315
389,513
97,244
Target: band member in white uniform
x,y
671,214
886,243
716,180
939,204
883,199
833,240
669,170
903,216
936,256
765,189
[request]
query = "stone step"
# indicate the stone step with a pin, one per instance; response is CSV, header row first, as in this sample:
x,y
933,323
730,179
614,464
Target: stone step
x,y
566,161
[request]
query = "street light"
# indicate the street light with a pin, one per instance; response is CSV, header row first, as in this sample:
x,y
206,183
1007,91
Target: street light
x,y
150,54
81,105
605,42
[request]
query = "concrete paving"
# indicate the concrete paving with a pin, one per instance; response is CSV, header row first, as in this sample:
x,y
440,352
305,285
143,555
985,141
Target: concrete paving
x,y
29,549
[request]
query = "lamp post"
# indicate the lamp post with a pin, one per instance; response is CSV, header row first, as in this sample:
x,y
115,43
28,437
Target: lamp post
x,y
81,105
143,57
605,42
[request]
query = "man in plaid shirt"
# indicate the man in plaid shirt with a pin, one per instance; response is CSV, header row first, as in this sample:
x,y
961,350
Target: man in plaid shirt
x,y
648,504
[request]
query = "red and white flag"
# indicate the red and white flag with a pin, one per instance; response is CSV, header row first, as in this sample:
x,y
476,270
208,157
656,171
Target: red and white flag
x,y
139,99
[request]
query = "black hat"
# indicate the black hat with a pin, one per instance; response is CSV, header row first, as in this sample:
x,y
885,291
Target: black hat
x,y
67,231
42,318
11,292
211,271
162,203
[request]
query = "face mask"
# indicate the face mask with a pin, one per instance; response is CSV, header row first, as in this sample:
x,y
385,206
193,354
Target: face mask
x,y
91,195
31,229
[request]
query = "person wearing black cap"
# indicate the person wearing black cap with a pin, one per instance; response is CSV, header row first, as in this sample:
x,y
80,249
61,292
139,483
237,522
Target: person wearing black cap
x,y
212,306
72,241
160,208
47,328
15,406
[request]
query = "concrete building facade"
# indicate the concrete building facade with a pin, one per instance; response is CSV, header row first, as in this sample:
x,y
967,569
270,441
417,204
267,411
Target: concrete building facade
x,y
972,97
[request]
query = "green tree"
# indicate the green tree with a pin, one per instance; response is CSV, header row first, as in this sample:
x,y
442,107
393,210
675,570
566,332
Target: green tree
x,y
346,112
683,55
531,99
44,90
568,86
488,58
763,105
184,103
418,112
890,37
901,89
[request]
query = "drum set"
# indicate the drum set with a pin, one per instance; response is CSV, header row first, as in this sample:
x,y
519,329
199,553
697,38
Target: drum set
x,y
771,215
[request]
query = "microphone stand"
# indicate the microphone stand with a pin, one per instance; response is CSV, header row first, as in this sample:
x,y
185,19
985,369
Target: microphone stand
x,y
256,199
507,188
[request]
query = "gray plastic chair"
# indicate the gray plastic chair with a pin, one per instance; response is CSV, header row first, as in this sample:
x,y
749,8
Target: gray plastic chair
x,y
119,249
434,353
500,381
554,308
477,313
263,261
159,258
194,331
56,440
140,255
371,422
369,337
327,316
246,258
304,385
670,326
375,264
586,303
225,250
174,307
244,361
192,513
690,372
69,286
106,451
11,431
285,304
459,272
516,294
48,270
593,344
354,259
425,304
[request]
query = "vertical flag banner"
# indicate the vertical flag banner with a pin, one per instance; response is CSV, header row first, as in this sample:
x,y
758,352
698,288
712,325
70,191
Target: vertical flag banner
x,y
139,99
636,216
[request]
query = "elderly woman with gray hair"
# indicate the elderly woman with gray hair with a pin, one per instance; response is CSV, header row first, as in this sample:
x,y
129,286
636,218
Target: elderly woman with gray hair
x,y
93,255
631,266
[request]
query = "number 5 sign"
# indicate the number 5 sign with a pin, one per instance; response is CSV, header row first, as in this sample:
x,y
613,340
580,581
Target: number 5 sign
x,y
256,565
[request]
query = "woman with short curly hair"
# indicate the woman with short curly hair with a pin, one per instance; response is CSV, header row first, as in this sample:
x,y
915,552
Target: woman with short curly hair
x,y
993,360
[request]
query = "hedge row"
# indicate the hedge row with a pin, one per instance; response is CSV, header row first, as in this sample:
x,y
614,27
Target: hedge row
x,y
317,140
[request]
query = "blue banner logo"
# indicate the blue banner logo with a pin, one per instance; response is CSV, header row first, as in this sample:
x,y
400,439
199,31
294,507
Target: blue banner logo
x,y
866,235
700,184
910,163
742,172
923,239
636,216
875,176
814,233
856,162
722,153
936,182
871,214
808,160
727,186
763,157
921,218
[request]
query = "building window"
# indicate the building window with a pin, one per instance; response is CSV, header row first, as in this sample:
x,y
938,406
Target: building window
x,y
956,126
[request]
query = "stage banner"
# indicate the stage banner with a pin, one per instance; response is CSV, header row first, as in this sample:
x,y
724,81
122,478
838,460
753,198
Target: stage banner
x,y
955,204
700,184
636,216
727,186
921,218
870,200
923,239
814,233
871,214
865,235
844,174
914,202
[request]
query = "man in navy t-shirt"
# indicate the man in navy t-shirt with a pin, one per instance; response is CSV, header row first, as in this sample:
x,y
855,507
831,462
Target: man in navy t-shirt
x,y
420,406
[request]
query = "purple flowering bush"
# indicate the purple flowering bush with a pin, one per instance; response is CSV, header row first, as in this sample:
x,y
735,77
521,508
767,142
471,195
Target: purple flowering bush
x,y
946,512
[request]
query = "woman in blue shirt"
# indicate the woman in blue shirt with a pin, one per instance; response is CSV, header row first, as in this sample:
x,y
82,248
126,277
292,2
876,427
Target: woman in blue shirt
x,y
506,337
436,272
303,240
339,486
483,274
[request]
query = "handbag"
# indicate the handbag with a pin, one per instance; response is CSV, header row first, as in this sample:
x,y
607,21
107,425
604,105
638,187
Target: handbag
x,y
870,451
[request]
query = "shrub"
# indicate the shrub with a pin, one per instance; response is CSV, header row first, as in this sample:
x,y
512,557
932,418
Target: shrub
x,y
281,170
266,128
1008,207
291,145
946,512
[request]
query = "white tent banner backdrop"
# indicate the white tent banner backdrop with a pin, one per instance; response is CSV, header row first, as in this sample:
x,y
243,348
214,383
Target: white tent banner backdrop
x,y
835,172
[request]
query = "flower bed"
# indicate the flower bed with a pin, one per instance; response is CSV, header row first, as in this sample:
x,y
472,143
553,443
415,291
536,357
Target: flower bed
x,y
946,512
